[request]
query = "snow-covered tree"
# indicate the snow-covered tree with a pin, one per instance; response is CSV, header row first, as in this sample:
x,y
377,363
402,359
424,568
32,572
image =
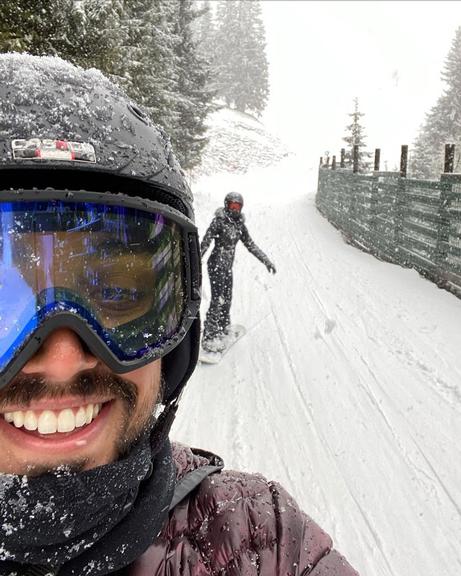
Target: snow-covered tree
x,y
226,48
96,34
37,26
148,68
194,99
355,136
84,32
241,67
204,30
443,123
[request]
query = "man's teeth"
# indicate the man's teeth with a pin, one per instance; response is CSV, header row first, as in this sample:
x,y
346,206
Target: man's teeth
x,y
50,421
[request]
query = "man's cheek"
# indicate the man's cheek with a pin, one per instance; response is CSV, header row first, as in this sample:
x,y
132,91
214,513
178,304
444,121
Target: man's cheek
x,y
141,418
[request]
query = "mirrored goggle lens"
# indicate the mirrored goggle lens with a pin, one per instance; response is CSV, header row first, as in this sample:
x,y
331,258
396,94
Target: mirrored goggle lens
x,y
234,206
120,269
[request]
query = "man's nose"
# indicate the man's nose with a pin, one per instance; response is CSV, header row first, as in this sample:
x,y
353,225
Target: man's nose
x,y
61,357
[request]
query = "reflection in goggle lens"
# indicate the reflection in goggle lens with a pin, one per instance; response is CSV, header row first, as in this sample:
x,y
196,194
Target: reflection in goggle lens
x,y
120,269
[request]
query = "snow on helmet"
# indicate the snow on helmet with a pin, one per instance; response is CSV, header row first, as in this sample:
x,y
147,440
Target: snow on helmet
x,y
233,197
91,137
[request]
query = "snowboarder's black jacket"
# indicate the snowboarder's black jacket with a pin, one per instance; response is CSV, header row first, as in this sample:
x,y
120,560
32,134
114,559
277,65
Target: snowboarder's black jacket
x,y
226,230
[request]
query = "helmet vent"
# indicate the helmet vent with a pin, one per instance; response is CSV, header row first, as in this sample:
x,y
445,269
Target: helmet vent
x,y
140,115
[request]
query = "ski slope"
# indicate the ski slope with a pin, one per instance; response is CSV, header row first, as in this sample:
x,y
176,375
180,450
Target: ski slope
x,y
347,386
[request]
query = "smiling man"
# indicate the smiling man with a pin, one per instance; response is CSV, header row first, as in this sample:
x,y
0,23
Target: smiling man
x,y
99,333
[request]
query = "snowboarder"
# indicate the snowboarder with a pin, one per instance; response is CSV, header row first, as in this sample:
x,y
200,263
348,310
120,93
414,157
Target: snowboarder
x,y
226,229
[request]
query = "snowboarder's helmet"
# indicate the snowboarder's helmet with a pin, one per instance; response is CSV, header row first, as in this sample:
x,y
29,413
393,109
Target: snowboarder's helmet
x,y
233,201
78,159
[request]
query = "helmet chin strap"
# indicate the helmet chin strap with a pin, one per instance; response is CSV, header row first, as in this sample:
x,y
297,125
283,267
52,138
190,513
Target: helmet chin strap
x,y
162,427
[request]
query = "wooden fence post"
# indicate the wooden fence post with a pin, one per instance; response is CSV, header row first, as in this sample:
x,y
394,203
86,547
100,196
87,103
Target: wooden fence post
x,y
343,158
374,191
400,204
321,160
403,161
355,157
449,158
399,211
333,163
377,159
443,227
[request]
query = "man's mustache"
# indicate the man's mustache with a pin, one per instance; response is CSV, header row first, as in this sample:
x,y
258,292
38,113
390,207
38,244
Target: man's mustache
x,y
26,388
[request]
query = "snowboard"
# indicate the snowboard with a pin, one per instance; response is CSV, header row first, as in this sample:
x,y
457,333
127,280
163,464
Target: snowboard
x,y
235,332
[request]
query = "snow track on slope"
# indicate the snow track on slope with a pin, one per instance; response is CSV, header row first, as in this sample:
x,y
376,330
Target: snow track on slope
x,y
346,388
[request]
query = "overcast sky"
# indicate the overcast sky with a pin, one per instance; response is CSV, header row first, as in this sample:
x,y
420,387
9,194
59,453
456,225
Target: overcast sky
x,y
324,53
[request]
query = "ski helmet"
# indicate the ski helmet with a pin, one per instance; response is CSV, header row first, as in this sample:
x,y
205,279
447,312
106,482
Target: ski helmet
x,y
86,135
233,197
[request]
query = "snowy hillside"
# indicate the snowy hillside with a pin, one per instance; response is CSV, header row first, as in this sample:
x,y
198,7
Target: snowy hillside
x,y
238,142
347,387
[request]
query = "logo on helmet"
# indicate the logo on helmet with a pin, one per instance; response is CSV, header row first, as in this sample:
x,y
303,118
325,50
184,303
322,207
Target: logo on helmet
x,y
47,149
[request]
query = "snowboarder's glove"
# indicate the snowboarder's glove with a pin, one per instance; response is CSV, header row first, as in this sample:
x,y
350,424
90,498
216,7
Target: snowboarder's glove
x,y
270,267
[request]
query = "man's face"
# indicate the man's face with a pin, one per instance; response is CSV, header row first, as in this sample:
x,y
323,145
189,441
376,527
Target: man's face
x,y
65,408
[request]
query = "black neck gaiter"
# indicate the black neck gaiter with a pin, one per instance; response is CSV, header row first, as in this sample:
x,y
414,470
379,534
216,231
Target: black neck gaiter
x,y
92,522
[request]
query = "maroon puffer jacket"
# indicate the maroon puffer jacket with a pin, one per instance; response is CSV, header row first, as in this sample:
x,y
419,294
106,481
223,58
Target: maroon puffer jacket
x,y
238,524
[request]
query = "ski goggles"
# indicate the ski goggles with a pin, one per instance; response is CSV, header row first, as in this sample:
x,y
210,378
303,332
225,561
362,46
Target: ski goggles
x,y
122,272
236,206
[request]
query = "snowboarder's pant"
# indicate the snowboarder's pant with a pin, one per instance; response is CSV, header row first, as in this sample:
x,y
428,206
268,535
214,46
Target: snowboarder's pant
x,y
218,315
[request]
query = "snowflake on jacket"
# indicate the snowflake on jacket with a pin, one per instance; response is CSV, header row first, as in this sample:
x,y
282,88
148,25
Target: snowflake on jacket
x,y
226,231
237,524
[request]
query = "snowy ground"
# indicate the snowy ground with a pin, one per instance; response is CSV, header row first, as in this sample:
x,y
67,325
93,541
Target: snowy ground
x,y
347,387
238,141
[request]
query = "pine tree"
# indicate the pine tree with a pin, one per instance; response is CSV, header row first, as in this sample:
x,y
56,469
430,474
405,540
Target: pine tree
x,y
37,26
356,137
443,123
427,157
148,69
252,79
204,31
84,33
97,42
194,99
227,48
241,67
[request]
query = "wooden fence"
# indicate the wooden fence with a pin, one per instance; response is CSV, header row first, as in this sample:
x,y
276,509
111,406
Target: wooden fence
x,y
414,223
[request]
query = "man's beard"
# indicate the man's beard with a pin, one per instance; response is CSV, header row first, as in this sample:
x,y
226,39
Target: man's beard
x,y
25,389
